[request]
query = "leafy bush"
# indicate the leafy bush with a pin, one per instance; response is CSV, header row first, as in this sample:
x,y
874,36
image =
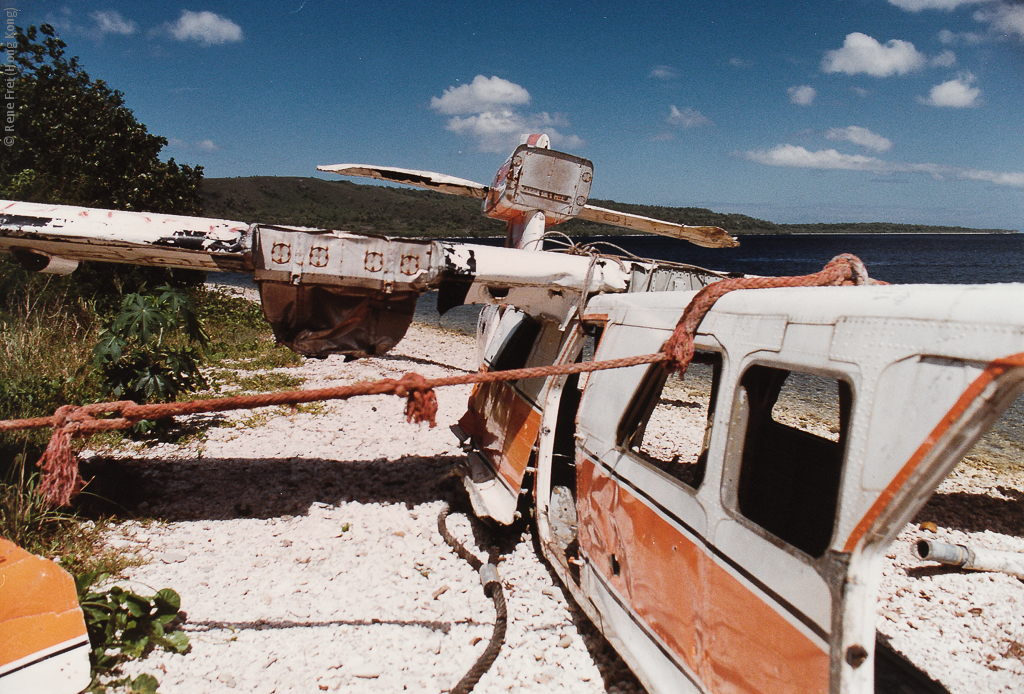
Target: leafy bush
x,y
150,350
77,143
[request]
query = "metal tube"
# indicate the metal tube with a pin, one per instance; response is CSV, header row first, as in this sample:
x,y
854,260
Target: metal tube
x,y
972,558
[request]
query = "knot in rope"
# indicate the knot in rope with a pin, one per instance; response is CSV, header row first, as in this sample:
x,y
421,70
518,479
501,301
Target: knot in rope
x,y
853,270
61,481
421,401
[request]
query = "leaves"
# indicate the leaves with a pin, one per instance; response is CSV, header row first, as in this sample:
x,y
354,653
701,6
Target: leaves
x,y
76,142
123,626
147,351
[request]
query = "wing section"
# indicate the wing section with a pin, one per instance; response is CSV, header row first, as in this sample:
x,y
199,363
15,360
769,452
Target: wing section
x,y
709,237
411,177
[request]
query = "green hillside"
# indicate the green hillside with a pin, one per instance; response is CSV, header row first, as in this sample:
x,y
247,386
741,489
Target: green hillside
x,y
395,211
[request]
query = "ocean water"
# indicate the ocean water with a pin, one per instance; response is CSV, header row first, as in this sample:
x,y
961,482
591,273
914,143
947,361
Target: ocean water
x,y
903,258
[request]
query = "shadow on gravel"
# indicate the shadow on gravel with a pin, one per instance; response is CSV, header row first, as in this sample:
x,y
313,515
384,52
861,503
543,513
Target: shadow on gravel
x,y
266,625
225,488
422,362
977,512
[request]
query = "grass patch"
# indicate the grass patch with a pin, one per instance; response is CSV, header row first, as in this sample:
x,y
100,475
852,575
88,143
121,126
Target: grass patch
x,y
28,521
269,382
239,334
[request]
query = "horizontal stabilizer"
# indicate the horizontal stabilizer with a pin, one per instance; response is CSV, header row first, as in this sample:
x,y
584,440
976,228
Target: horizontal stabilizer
x,y
411,177
709,237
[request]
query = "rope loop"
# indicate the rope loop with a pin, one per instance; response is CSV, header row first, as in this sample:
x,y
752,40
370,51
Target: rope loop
x,y
843,270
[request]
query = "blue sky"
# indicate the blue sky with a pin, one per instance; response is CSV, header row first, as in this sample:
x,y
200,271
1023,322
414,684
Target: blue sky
x,y
841,110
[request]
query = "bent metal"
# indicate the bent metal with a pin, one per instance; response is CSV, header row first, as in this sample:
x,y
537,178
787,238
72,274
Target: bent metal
x,y
718,543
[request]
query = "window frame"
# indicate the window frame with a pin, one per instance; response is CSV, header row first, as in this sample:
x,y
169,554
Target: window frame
x,y
737,488
632,426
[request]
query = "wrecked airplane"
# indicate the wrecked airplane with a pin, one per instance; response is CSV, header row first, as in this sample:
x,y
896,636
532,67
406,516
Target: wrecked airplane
x,y
718,544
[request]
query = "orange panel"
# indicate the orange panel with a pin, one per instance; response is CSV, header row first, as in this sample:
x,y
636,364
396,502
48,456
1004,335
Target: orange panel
x,y
722,630
504,427
38,604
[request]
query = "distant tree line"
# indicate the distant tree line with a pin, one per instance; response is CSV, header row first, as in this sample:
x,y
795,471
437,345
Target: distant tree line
x,y
396,211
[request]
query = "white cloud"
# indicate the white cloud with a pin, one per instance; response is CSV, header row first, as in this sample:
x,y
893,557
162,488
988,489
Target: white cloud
x,y
860,136
1004,17
483,94
484,110
860,91
663,72
955,93
862,54
101,24
944,59
969,38
206,28
801,157
687,118
740,62
831,160
201,145
1010,179
111,22
802,95
918,5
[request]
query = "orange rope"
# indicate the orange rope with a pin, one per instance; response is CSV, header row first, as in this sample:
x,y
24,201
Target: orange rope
x,y
61,481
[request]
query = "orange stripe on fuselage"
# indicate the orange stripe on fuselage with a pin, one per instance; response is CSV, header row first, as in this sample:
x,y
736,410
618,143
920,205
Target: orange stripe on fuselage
x,y
504,427
726,634
994,370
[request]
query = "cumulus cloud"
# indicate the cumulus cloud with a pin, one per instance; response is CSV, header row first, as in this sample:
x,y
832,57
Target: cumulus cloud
x,y
111,22
860,136
955,93
205,28
944,59
863,54
687,117
485,110
831,160
663,72
801,157
802,95
1006,19
483,94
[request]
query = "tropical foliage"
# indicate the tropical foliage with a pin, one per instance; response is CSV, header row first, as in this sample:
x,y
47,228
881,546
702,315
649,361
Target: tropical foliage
x,y
76,142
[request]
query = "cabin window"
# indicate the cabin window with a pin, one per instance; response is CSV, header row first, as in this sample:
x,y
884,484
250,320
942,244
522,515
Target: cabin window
x,y
796,427
518,345
668,422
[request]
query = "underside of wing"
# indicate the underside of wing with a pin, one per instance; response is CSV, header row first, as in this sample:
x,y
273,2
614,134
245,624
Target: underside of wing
x,y
411,177
709,237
